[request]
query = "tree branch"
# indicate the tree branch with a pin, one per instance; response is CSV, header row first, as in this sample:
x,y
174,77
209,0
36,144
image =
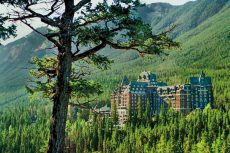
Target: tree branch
x,y
56,43
32,14
117,46
53,9
80,5
43,18
78,75
85,105
90,21
89,52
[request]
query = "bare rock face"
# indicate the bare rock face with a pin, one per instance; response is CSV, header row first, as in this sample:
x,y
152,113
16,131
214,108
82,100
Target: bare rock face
x,y
155,11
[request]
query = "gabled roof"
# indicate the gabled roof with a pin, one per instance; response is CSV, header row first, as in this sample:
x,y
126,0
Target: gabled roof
x,y
201,80
125,81
160,84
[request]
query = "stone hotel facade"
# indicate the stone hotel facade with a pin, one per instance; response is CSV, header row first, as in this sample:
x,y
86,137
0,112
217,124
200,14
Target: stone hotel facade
x,y
182,98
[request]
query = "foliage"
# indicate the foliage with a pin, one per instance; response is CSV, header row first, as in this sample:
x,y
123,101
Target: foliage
x,y
6,31
206,41
200,131
205,47
90,28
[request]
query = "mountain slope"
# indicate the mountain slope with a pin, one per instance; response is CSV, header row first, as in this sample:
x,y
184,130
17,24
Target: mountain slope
x,y
14,61
15,58
205,45
155,12
187,16
210,40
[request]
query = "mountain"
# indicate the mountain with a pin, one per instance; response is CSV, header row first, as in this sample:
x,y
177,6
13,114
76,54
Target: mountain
x,y
187,16
205,46
202,30
14,61
155,12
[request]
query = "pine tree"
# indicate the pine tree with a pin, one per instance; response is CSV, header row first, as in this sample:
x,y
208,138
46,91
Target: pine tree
x,y
203,146
6,31
139,109
148,115
89,28
130,114
114,114
161,145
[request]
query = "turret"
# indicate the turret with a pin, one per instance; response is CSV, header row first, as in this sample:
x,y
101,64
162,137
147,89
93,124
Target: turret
x,y
148,77
125,81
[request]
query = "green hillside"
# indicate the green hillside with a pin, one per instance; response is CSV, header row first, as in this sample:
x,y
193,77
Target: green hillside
x,y
206,47
203,32
187,16
14,59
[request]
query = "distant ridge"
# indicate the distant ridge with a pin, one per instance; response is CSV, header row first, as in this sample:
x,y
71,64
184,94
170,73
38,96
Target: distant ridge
x,y
202,30
187,16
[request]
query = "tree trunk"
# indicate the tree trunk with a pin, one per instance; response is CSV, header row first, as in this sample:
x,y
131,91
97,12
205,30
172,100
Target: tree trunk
x,y
60,106
62,94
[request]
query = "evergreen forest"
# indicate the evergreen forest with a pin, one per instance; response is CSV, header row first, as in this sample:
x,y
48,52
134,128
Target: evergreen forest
x,y
203,31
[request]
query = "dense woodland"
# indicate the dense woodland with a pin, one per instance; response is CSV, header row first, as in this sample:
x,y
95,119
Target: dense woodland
x,y
24,125
26,130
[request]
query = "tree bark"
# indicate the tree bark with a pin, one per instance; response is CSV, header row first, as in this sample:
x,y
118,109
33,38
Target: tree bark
x,y
62,93
60,107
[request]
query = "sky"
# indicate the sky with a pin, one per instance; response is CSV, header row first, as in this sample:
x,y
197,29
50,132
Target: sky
x,y
23,30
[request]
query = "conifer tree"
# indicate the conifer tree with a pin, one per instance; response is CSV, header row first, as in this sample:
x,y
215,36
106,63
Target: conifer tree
x,y
161,145
139,109
148,115
114,114
129,113
203,146
89,28
6,31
